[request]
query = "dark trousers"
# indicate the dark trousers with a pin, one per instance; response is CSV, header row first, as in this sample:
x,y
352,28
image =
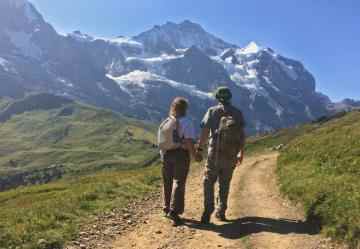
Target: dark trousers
x,y
176,164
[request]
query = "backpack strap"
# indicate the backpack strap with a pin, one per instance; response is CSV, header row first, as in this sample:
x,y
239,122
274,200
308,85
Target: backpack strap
x,y
178,129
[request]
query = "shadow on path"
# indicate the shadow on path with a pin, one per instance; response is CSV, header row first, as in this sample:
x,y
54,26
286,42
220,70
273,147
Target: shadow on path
x,y
236,229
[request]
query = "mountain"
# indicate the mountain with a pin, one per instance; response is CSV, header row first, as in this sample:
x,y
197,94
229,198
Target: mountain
x,y
171,37
139,75
344,105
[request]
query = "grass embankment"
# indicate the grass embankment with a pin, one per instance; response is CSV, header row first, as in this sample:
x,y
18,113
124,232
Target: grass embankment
x,y
321,169
54,212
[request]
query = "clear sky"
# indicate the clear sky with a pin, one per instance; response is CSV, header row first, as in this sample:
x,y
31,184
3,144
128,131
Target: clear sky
x,y
323,34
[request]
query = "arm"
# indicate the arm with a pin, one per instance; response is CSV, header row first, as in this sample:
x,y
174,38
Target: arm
x,y
240,156
189,141
204,136
205,129
189,145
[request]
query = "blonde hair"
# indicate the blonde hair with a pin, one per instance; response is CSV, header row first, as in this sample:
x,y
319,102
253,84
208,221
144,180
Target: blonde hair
x,y
179,107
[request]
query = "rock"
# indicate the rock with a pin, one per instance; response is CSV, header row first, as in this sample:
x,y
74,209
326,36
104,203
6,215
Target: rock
x,y
82,246
158,232
126,216
41,242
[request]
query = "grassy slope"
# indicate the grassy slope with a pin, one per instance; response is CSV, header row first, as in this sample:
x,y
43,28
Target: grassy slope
x,y
321,169
258,144
55,211
86,141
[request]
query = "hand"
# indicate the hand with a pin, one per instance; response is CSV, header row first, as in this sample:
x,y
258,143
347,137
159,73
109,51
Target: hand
x,y
240,158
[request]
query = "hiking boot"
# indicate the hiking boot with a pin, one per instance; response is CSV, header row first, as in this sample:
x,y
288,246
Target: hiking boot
x,y
205,219
221,217
166,212
177,221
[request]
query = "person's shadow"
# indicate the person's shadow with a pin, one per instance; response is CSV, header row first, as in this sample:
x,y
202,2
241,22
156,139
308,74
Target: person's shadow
x,y
236,229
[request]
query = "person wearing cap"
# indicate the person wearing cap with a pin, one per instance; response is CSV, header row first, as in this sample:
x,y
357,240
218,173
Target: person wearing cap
x,y
220,163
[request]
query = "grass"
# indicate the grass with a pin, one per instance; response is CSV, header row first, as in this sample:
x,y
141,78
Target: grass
x,y
258,144
86,139
54,212
321,169
104,156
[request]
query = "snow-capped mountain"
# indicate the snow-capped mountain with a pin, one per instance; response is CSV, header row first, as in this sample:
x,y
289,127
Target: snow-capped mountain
x,y
140,75
172,37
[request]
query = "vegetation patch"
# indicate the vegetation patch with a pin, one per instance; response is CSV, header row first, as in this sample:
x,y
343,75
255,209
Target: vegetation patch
x,y
78,138
47,216
321,169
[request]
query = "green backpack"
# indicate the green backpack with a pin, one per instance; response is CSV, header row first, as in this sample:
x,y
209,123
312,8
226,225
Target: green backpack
x,y
231,135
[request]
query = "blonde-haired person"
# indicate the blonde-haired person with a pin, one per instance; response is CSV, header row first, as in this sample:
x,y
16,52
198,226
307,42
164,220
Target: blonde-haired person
x,y
176,162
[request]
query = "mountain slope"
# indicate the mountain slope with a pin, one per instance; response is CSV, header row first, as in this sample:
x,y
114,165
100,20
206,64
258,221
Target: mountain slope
x,y
72,136
139,76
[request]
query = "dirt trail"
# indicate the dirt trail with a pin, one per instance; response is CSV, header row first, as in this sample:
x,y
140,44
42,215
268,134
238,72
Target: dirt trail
x,y
259,218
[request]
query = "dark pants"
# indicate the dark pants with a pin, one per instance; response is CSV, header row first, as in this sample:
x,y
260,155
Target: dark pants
x,y
176,164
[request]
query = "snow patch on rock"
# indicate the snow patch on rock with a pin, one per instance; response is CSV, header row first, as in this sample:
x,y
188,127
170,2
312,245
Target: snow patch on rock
x,y
23,41
81,37
154,64
251,48
7,66
141,79
125,41
288,69
65,82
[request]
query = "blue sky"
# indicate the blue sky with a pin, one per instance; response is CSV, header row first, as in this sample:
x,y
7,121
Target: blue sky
x,y
323,34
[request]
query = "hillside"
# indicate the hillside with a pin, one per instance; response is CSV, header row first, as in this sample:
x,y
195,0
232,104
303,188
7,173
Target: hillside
x,y
88,161
321,170
69,137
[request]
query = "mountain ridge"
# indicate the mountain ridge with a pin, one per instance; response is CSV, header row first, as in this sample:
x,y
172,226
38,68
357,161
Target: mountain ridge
x,y
139,75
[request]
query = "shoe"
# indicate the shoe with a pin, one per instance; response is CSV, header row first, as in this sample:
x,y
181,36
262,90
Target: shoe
x,y
177,221
166,212
205,219
221,217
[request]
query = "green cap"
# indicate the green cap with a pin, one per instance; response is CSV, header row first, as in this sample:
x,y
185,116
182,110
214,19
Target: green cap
x,y
223,94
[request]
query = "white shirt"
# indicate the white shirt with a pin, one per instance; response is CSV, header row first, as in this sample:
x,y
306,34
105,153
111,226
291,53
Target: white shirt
x,y
186,128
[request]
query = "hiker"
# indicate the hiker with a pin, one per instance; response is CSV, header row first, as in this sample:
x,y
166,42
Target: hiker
x,y
176,139
223,129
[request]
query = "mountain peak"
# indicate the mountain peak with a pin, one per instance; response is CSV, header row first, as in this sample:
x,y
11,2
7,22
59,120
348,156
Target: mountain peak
x,y
190,24
172,36
251,48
